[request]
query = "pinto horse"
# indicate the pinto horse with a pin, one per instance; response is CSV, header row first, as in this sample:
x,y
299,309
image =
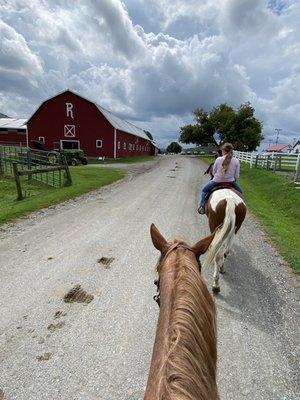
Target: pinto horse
x,y
225,210
183,364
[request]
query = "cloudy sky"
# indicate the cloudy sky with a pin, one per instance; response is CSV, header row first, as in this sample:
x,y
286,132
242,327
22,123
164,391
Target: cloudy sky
x,y
153,61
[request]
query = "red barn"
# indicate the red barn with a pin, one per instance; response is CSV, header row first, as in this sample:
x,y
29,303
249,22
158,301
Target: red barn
x,y
70,121
12,131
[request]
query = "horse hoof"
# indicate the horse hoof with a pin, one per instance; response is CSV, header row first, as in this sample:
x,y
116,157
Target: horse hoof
x,y
216,289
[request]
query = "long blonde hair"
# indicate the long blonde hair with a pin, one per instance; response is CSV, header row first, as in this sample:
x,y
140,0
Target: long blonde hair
x,y
228,148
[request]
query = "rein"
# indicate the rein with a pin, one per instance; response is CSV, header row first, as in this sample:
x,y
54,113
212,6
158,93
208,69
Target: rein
x,y
175,246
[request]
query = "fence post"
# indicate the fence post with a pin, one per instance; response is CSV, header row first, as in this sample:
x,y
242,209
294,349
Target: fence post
x,y
279,168
29,163
275,162
297,173
68,174
18,182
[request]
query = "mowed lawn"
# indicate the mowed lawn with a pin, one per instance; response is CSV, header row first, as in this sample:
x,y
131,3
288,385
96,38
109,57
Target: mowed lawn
x,y
276,203
39,196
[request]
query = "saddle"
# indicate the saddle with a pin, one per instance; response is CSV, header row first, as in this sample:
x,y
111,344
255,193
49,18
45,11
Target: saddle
x,y
225,185
222,185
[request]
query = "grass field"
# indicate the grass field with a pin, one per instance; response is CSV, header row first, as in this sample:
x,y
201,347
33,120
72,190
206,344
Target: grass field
x,y
276,203
40,196
125,160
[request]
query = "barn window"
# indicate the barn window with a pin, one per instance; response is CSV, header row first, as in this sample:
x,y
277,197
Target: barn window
x,y
70,144
119,145
99,143
42,139
124,147
133,147
130,146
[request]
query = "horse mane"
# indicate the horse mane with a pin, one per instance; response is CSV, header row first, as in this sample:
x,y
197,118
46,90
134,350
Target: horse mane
x,y
189,368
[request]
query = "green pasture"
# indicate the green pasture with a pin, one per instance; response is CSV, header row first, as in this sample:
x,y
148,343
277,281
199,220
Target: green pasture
x,y
39,195
276,203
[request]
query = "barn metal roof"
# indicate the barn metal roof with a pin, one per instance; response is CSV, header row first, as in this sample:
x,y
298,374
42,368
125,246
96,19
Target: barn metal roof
x,y
13,123
121,124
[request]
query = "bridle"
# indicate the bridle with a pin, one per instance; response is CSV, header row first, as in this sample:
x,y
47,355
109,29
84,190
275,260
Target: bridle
x,y
175,246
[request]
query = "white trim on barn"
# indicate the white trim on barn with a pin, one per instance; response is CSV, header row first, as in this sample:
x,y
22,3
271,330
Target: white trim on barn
x,y
115,143
97,145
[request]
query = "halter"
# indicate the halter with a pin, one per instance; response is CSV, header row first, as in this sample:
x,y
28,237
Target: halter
x,y
175,246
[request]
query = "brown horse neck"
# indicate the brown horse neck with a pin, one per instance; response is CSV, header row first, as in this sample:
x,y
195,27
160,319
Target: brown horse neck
x,y
160,348
201,369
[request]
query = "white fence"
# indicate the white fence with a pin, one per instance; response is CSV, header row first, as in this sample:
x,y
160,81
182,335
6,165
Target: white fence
x,y
272,161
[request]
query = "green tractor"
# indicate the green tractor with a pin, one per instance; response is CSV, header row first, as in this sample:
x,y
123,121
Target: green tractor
x,y
74,157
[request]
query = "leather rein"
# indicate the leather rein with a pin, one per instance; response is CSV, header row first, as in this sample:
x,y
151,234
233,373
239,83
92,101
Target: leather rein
x,y
175,246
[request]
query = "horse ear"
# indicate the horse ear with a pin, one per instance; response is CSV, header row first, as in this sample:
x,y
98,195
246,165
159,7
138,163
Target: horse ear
x,y
158,240
202,246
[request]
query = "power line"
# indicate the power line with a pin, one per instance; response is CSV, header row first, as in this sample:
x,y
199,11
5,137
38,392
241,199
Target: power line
x,y
277,137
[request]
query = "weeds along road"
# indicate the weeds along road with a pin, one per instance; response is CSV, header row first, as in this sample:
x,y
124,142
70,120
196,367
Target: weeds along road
x,y
52,350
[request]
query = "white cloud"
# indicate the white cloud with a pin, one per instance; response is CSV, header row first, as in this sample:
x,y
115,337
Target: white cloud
x,y
155,64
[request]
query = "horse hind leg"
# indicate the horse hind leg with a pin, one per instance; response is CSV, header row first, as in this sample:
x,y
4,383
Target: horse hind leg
x,y
218,263
221,260
226,254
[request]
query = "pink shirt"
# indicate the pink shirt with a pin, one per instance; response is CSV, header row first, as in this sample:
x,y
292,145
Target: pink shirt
x,y
232,173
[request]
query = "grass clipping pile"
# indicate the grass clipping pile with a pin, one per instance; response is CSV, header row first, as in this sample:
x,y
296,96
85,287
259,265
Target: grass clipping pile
x,y
78,295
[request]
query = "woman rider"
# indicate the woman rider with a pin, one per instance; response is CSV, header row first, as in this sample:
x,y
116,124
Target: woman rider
x,y
225,169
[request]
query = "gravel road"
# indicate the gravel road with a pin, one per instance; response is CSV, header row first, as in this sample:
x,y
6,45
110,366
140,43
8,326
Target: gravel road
x,y
52,350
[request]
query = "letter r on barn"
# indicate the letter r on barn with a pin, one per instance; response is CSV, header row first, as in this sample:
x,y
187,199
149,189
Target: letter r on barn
x,y
70,110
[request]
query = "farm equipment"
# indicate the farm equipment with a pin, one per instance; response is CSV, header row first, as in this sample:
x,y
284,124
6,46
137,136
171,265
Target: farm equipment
x,y
72,156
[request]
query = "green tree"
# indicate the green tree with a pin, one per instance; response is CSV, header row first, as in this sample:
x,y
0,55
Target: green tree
x,y
174,147
202,132
237,126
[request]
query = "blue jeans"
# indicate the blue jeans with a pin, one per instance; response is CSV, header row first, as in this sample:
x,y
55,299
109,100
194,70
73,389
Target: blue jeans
x,y
209,186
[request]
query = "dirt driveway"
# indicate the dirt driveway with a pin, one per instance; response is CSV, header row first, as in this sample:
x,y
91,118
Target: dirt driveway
x,y
99,346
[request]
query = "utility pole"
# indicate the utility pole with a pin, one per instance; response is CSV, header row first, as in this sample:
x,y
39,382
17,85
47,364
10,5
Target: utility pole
x,y
277,137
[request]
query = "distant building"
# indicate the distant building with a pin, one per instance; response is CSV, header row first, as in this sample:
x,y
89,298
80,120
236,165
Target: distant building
x,y
12,131
279,148
296,148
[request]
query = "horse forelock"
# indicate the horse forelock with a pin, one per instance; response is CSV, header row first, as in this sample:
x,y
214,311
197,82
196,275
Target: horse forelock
x,y
177,243
189,368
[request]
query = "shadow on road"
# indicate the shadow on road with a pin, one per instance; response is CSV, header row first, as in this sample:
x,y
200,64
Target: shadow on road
x,y
251,296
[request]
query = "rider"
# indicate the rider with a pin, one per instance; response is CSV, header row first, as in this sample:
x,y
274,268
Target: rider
x,y
225,169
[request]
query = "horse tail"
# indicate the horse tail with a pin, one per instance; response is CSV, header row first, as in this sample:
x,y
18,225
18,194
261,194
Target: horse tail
x,y
224,233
